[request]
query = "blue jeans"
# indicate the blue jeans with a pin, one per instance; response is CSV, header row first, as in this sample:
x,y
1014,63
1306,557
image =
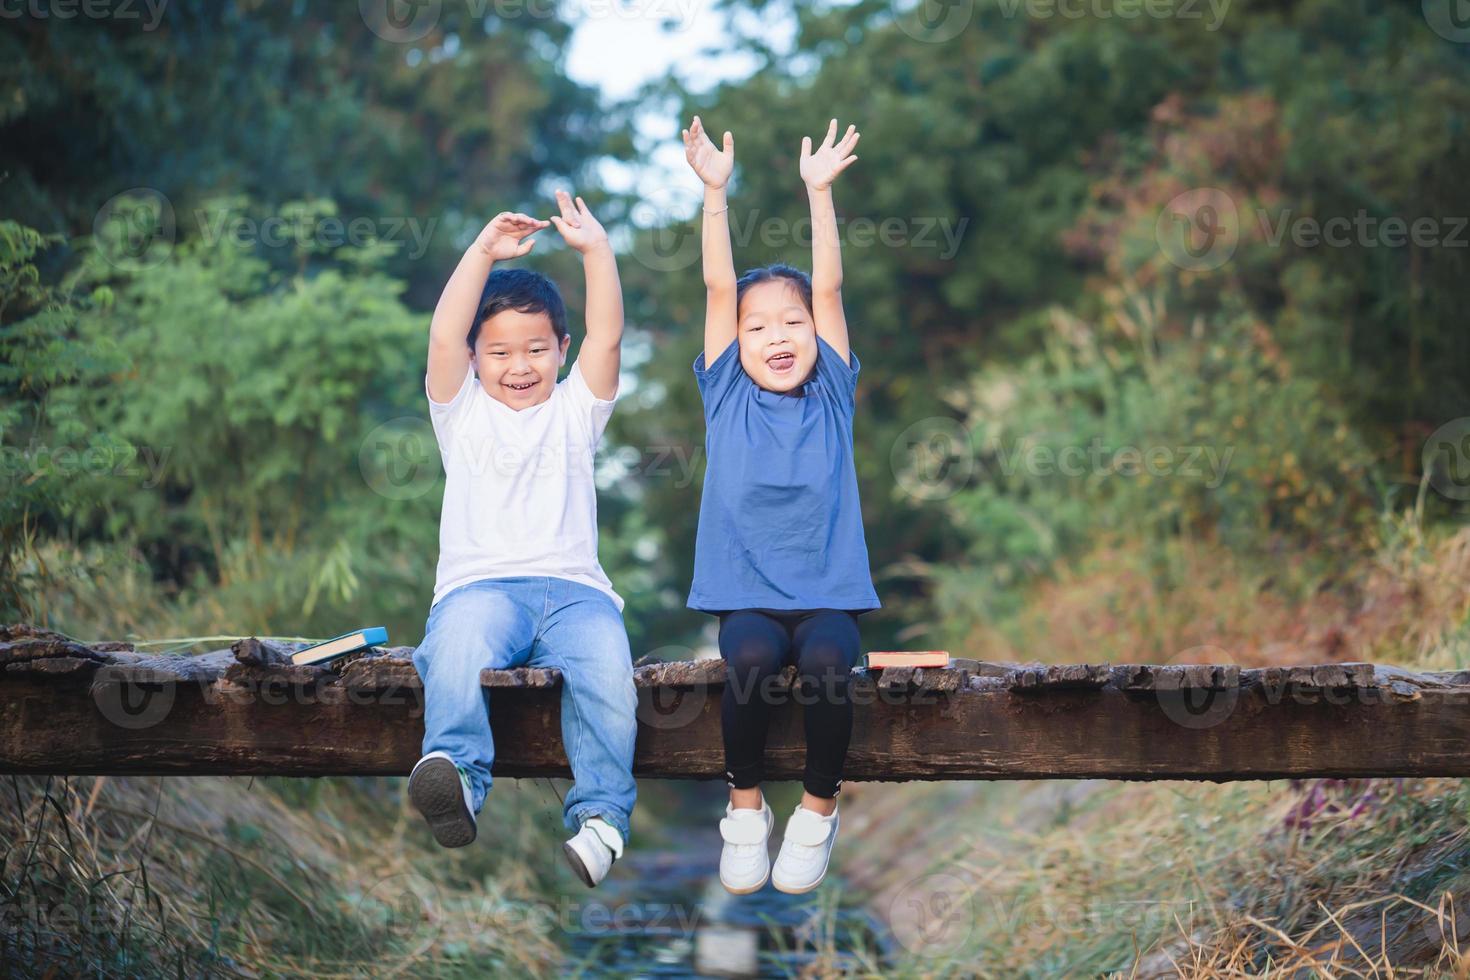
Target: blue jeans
x,y
538,622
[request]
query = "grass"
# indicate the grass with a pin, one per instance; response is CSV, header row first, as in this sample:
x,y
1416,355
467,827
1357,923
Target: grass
x,y
238,877
1319,878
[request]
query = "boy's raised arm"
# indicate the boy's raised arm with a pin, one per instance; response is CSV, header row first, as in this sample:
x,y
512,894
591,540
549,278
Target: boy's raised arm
x,y
505,237
601,352
818,170
714,168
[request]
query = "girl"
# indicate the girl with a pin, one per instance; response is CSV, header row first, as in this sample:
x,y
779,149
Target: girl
x,y
780,556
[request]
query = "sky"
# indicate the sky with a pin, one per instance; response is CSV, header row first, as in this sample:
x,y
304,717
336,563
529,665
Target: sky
x,y
619,45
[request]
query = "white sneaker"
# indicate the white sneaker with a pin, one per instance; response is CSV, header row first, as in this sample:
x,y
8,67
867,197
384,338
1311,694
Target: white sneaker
x,y
592,852
802,863
441,791
744,862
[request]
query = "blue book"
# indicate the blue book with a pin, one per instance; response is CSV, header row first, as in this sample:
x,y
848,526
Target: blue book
x,y
372,636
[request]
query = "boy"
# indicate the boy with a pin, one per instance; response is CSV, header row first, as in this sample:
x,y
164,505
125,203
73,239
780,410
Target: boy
x,y
518,580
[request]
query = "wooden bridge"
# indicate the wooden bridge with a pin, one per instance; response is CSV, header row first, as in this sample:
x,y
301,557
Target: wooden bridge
x,y
72,708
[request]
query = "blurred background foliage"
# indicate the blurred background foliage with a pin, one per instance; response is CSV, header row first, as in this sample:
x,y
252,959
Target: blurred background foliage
x,y
212,430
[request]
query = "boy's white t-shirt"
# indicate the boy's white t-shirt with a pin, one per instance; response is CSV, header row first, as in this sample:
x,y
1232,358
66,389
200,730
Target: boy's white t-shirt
x,y
519,496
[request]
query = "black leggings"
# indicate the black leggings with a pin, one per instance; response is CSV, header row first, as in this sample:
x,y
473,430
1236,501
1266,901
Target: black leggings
x,y
756,644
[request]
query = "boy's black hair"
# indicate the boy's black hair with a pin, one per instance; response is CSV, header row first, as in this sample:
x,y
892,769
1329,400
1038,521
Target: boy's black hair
x,y
770,273
523,291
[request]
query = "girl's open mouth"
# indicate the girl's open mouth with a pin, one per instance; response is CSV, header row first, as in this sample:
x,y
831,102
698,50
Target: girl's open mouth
x,y
781,363
520,385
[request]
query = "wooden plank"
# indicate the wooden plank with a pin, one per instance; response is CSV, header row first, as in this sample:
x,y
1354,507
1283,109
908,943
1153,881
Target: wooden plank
x,y
71,708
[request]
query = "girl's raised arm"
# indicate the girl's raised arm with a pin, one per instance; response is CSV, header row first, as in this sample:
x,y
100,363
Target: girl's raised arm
x,y
714,167
818,170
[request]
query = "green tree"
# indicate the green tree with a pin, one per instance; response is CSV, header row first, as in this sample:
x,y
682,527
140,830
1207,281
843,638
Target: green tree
x,y
283,102
253,397
1057,143
54,468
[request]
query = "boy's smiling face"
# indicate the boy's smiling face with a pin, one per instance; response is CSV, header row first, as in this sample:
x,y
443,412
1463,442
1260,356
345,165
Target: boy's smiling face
x,y
778,339
517,357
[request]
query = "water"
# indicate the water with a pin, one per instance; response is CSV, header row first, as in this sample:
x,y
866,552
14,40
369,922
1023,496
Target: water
x,y
663,913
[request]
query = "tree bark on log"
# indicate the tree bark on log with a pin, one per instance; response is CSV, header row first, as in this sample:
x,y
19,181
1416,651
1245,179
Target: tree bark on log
x,y
67,708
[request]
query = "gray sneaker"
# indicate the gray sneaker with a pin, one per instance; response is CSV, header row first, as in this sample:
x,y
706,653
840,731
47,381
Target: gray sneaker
x,y
440,790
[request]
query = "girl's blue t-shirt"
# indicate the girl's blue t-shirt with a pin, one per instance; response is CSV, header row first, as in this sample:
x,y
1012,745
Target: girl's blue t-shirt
x,y
780,526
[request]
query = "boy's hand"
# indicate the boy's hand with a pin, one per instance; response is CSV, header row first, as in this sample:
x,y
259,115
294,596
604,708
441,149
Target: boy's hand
x,y
819,169
713,166
505,237
581,230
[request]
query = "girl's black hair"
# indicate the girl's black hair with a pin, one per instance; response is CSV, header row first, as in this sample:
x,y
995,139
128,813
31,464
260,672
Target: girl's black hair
x,y
770,273
525,292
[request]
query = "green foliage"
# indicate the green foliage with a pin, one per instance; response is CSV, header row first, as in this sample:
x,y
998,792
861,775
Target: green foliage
x,y
53,467
284,102
250,393
1123,428
1054,144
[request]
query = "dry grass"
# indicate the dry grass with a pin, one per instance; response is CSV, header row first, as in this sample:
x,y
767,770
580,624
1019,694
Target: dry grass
x,y
225,877
1124,605
1323,878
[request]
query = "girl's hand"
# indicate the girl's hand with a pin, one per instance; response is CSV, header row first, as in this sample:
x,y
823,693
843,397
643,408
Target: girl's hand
x,y
712,165
505,237
819,169
581,230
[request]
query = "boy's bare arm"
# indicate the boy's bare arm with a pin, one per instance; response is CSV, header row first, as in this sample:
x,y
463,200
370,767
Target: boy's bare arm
x,y
601,351
818,170
505,237
714,168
